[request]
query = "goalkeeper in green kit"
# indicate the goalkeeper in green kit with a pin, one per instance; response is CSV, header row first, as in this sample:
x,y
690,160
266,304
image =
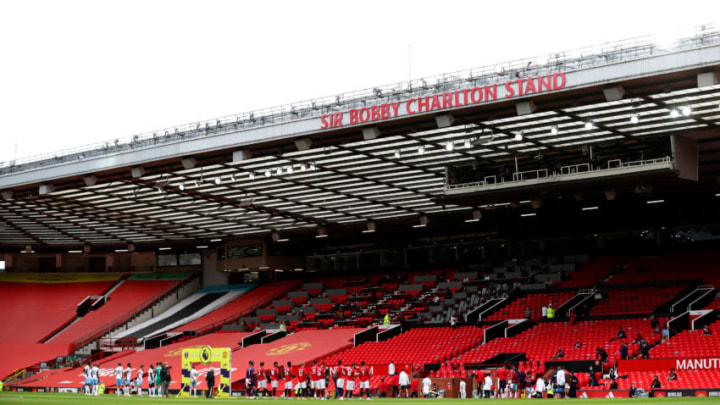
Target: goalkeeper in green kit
x,y
158,381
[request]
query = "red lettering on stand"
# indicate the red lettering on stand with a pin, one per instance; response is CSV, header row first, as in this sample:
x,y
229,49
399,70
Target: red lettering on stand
x,y
423,103
447,100
375,113
476,95
407,107
510,92
396,106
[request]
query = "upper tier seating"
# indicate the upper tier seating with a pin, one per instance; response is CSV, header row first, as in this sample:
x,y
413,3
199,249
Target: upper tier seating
x,y
635,300
516,309
704,266
588,273
241,306
33,311
715,304
361,301
125,298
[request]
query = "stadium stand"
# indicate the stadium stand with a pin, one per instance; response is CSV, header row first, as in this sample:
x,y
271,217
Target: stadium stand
x,y
685,379
197,305
125,298
698,265
635,300
516,309
541,342
37,306
690,343
715,304
416,347
240,307
299,347
590,272
16,356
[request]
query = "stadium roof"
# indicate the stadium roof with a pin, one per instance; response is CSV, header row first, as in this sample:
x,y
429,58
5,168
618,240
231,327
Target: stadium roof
x,y
278,171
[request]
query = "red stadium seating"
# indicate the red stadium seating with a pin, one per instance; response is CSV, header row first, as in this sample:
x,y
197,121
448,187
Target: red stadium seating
x,y
686,379
715,304
417,347
299,347
690,344
516,309
125,298
590,272
541,342
239,307
33,311
635,300
15,356
703,266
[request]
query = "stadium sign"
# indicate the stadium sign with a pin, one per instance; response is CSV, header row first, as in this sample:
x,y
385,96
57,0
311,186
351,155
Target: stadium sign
x,y
698,364
708,363
444,101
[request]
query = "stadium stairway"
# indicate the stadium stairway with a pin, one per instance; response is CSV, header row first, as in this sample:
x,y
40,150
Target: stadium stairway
x,y
102,297
187,310
189,285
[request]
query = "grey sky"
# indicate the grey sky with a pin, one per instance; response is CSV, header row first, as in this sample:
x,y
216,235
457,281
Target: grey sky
x,y
79,72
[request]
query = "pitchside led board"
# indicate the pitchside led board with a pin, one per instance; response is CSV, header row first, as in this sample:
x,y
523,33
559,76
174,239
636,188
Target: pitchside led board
x,y
207,355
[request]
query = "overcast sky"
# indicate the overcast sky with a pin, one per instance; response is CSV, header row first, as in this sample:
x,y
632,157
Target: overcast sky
x,y
79,72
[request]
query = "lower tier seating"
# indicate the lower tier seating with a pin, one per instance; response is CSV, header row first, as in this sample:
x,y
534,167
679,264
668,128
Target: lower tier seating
x,y
691,344
416,347
541,343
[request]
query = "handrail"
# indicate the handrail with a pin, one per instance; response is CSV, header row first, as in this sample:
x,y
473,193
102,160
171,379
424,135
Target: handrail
x,y
13,376
218,324
578,168
518,177
530,175
89,337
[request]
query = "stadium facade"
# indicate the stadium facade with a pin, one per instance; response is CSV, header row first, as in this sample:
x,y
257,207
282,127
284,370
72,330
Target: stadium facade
x,y
465,196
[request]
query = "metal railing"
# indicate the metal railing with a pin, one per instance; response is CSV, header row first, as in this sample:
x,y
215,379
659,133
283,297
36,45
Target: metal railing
x,y
530,175
576,59
122,343
519,177
120,320
574,169
213,326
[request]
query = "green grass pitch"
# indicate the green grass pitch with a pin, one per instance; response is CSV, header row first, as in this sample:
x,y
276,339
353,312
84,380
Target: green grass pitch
x,y
25,398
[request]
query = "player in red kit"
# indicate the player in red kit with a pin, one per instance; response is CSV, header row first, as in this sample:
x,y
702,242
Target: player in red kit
x,y
322,380
314,373
274,375
341,374
350,380
365,373
262,380
302,380
288,381
502,381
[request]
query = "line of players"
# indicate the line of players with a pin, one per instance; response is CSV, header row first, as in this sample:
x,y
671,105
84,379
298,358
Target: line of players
x,y
126,385
91,373
256,380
